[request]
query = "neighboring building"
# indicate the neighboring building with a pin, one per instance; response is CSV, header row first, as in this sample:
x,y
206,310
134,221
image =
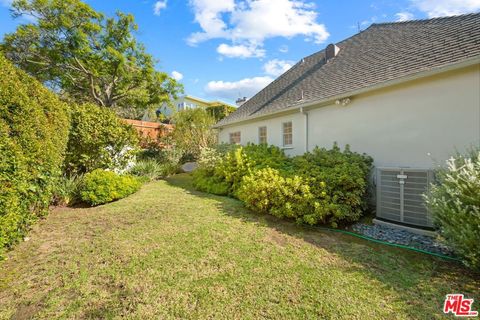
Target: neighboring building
x,y
406,93
182,103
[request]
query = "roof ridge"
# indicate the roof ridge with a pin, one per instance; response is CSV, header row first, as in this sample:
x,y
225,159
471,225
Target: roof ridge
x,y
426,19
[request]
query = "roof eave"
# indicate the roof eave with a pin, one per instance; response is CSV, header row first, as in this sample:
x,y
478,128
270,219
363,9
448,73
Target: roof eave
x,y
320,102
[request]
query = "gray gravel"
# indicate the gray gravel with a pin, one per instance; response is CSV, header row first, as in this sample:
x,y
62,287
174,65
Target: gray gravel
x,y
403,237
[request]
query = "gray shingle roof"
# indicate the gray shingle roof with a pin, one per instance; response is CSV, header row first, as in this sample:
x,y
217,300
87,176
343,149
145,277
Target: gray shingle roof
x,y
381,53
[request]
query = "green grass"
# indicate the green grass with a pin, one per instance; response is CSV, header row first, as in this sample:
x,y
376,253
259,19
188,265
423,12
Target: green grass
x,y
171,252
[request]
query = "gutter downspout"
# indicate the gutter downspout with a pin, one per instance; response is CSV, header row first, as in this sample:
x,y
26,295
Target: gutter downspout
x,y
305,113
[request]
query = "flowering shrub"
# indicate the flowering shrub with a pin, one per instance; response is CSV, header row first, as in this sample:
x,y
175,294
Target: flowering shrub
x,y
99,140
455,205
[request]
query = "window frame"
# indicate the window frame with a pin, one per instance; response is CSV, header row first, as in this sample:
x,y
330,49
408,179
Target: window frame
x,y
284,134
233,134
264,136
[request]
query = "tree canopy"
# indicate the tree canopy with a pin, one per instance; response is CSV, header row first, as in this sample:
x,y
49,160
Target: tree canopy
x,y
85,56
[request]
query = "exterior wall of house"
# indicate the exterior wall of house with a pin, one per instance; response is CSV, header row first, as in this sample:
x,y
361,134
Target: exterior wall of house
x,y
249,132
415,124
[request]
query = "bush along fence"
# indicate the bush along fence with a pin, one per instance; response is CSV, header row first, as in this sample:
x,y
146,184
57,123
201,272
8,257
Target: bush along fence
x,y
319,187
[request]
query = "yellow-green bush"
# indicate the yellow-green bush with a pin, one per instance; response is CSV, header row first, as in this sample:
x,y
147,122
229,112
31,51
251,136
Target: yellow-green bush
x,y
321,187
267,191
34,127
100,186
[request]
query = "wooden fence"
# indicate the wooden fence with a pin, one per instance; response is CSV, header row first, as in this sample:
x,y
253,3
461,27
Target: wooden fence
x,y
150,130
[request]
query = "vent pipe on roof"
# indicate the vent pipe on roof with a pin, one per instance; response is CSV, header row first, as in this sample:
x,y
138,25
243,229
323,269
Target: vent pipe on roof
x,y
241,101
331,51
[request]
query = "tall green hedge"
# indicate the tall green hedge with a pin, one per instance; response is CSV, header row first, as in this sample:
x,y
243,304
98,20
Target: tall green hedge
x,y
34,127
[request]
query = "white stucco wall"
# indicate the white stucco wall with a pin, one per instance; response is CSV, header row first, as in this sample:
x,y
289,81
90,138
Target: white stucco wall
x,y
414,124
249,132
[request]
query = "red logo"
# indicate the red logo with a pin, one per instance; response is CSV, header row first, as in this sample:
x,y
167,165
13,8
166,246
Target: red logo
x,y
459,306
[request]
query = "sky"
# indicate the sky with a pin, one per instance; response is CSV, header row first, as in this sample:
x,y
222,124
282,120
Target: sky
x,y
226,49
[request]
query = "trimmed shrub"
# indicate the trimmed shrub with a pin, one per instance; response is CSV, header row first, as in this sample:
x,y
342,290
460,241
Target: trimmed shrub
x,y
321,187
99,140
267,191
346,176
100,186
455,205
34,126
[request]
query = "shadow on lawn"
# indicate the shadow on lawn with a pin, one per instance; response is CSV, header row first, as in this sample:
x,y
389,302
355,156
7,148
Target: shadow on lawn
x,y
406,272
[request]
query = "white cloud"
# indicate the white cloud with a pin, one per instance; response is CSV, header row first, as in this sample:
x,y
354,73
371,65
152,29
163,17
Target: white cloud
x,y
240,51
439,8
250,22
283,49
177,75
232,90
404,16
277,67
208,14
159,6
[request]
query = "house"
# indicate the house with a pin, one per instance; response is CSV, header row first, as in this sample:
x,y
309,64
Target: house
x,y
406,93
182,103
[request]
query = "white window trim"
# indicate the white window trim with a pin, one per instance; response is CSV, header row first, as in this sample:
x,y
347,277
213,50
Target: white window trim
x,y
286,146
233,133
266,134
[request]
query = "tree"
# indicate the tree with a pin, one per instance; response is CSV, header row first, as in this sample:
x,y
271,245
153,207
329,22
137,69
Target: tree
x,y
193,131
220,111
85,56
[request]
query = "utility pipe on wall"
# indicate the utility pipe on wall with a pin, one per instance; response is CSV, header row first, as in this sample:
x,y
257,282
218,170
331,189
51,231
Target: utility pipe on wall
x,y
305,114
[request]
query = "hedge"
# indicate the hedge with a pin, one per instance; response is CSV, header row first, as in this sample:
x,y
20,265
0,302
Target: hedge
x,y
34,127
319,187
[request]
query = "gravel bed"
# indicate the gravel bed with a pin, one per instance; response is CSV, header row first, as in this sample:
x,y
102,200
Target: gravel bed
x,y
403,237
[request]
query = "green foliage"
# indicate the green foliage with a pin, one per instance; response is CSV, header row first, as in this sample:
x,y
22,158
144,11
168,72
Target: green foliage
x,y
346,177
67,190
220,111
153,170
267,191
455,205
100,186
33,136
324,186
99,140
193,131
87,57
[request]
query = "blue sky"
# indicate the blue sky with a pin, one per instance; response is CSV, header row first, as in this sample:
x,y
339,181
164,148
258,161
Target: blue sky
x,y
224,49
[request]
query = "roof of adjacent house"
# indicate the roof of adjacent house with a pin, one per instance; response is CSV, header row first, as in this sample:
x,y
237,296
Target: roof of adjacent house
x,y
381,53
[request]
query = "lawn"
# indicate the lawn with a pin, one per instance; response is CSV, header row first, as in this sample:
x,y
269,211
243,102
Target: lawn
x,y
171,252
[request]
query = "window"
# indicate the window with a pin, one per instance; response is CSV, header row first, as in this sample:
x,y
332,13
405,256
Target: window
x,y
287,134
262,135
235,137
